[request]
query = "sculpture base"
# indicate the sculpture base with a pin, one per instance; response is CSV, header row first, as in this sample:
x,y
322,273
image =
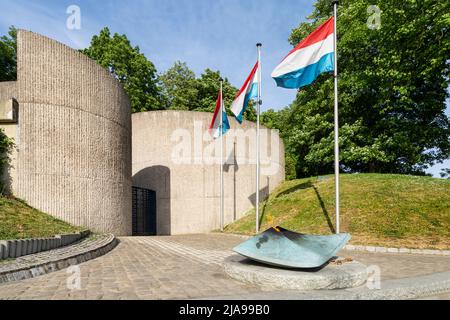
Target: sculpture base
x,y
338,275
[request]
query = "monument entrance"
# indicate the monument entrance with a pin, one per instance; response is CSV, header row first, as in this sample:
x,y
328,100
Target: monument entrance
x,y
144,212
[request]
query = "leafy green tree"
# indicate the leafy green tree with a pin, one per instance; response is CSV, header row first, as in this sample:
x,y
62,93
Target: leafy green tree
x,y
208,86
8,56
137,74
392,89
270,119
183,91
179,87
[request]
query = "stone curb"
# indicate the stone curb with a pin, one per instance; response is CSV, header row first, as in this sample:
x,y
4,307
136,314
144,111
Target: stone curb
x,y
11,249
396,289
408,288
43,263
397,250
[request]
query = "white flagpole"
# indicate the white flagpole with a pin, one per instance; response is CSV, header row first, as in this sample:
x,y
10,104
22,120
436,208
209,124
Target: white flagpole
x,y
336,121
258,147
222,222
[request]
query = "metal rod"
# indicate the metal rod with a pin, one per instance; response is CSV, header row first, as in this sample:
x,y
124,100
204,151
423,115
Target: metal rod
x,y
258,147
336,122
222,218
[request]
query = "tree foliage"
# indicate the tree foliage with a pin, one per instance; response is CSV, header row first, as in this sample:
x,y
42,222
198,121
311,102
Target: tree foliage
x,y
183,91
392,90
137,74
179,87
6,146
8,56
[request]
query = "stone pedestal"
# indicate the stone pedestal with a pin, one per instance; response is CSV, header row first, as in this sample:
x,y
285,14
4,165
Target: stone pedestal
x,y
338,275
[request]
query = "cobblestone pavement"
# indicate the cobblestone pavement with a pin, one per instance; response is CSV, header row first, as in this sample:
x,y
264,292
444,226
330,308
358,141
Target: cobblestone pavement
x,y
183,267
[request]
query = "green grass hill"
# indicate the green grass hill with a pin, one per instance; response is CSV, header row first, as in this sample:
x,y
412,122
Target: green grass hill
x,y
377,209
20,221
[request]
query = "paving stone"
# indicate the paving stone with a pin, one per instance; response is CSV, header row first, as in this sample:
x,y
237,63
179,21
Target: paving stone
x,y
184,267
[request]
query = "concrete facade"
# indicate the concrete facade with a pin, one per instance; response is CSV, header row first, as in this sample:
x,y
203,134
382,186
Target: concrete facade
x,y
73,137
174,155
75,159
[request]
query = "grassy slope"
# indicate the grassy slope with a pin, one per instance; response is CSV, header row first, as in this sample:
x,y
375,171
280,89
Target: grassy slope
x,y
19,221
386,210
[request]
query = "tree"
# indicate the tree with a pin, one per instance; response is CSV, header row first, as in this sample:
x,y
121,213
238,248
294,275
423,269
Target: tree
x,y
183,91
8,56
179,87
137,74
208,86
270,119
393,85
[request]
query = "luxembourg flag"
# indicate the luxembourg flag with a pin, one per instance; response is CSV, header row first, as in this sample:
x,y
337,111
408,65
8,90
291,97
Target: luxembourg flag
x,y
248,91
313,56
215,126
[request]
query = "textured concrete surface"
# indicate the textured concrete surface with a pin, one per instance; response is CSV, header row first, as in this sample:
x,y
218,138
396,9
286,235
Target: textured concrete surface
x,y
187,181
8,90
188,267
333,276
74,136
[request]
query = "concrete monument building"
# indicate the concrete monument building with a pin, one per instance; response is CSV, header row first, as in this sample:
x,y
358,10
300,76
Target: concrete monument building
x,y
73,136
79,151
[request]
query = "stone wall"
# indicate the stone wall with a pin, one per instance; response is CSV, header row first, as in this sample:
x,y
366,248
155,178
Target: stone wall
x,y
188,186
74,156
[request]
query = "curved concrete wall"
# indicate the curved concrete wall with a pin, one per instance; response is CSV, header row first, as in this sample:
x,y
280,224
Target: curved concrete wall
x,y
74,157
170,156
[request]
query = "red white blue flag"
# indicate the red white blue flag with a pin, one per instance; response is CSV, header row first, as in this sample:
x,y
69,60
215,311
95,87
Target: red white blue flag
x,y
219,124
248,91
311,57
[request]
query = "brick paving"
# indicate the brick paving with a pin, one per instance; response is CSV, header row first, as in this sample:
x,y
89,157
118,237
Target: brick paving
x,y
183,267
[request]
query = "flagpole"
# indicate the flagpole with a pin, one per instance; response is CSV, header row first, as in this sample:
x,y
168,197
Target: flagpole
x,y
258,147
221,160
336,121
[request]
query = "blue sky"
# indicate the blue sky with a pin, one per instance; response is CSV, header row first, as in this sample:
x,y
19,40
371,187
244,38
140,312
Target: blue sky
x,y
220,34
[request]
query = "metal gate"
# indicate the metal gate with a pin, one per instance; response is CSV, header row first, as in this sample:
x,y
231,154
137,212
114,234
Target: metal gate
x,y
144,212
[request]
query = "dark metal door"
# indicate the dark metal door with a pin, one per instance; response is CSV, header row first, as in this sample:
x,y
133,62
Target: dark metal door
x,y
144,212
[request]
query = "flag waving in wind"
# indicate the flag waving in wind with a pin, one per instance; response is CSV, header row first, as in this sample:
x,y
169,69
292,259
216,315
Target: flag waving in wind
x,y
313,56
219,124
248,91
